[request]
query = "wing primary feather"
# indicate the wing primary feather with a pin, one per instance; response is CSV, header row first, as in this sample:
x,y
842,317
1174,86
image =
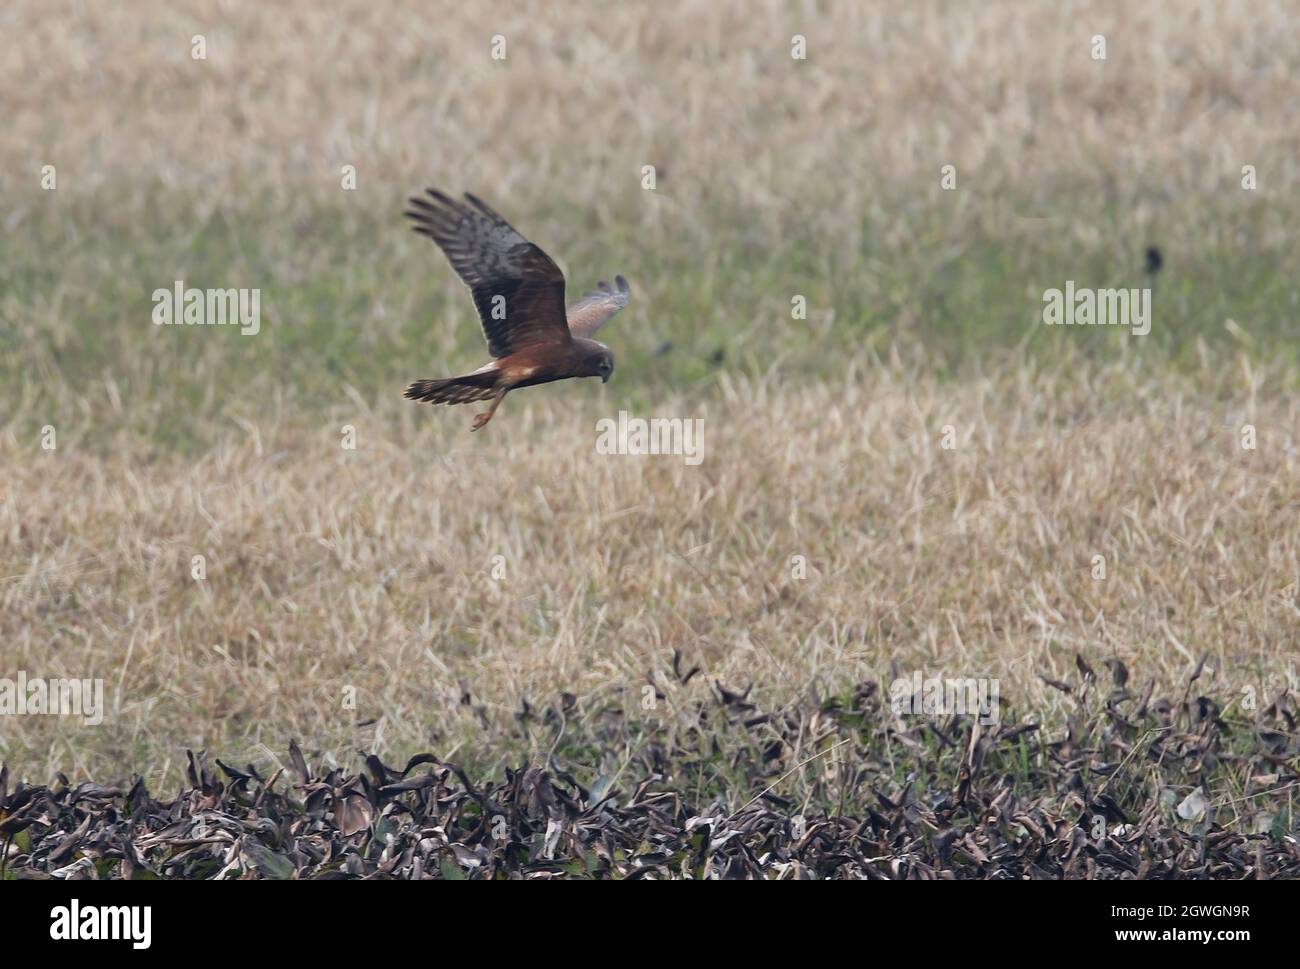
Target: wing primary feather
x,y
496,262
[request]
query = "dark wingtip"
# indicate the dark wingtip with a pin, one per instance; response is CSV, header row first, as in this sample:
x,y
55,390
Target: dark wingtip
x,y
484,209
441,202
621,283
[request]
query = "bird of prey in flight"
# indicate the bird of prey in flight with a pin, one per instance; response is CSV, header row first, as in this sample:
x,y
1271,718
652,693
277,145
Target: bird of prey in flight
x,y
519,293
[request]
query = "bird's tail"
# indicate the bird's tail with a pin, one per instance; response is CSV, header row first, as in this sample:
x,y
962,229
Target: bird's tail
x,y
455,390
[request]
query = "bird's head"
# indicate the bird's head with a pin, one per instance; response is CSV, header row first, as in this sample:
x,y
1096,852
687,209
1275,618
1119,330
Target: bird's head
x,y
602,364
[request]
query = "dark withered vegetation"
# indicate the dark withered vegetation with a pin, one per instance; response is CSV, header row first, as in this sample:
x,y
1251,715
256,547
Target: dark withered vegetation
x,y
1131,786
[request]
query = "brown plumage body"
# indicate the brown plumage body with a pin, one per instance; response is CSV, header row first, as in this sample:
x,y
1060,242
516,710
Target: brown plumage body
x,y
519,293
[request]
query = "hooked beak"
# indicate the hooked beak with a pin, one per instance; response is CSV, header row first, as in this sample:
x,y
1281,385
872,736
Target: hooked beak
x,y
604,379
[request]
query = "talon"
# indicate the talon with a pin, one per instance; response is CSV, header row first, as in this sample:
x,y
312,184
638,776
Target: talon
x,y
486,416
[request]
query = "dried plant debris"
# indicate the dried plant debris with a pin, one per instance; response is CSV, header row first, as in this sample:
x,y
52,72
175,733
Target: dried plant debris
x,y
1130,787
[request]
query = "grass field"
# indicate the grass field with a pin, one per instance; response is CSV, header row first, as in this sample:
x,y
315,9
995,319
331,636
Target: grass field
x,y
917,475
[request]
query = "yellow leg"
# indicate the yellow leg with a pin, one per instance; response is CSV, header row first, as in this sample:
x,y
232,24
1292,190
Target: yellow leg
x,y
486,416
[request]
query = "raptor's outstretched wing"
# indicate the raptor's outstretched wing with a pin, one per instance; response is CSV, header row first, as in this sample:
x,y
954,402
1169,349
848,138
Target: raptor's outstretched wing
x,y
591,312
518,289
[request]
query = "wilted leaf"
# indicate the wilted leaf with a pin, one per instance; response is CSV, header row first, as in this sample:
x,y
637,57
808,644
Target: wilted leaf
x,y
1193,807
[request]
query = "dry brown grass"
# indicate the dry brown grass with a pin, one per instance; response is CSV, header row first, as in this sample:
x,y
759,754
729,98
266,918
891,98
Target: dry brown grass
x,y
589,93
329,568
